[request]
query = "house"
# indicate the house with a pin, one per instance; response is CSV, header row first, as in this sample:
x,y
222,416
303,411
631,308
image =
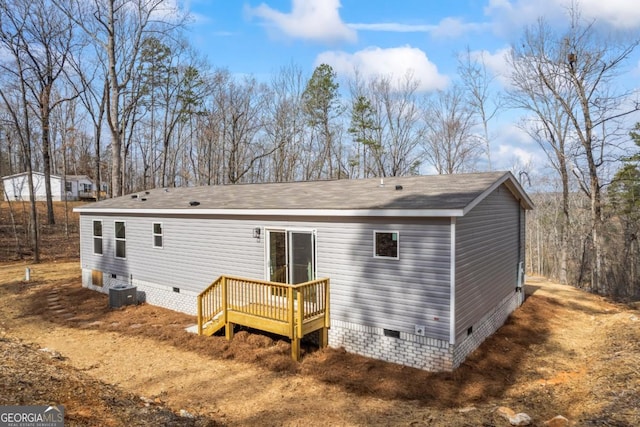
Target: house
x,y
70,187
422,269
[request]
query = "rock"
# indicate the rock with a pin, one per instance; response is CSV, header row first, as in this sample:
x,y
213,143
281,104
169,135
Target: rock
x,y
185,414
467,409
146,400
557,421
52,353
520,419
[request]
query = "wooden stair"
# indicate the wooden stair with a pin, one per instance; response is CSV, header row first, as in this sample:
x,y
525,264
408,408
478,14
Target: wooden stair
x,y
213,325
289,310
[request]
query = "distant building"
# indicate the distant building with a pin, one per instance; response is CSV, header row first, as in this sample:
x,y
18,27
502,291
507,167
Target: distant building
x,y
71,187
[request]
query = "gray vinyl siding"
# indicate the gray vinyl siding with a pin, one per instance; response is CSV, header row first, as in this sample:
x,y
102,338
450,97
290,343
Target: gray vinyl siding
x,y
195,251
395,294
487,254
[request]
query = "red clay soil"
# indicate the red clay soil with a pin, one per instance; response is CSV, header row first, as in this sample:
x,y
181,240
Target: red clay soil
x,y
564,352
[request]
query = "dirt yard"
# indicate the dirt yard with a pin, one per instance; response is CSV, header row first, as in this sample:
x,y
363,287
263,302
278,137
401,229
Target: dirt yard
x,y
564,352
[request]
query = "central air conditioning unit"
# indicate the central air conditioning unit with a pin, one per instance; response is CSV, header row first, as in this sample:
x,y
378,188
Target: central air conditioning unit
x,y
121,295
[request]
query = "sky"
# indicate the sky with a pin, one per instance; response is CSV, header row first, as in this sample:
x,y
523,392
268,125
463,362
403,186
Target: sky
x,y
383,37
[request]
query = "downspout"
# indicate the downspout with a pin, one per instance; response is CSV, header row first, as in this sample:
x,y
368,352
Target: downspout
x,y
452,282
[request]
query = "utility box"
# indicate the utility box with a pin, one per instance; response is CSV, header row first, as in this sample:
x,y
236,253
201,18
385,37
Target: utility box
x,y
121,295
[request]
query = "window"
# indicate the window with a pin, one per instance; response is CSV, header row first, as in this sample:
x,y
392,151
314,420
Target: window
x,y
157,234
68,187
86,188
97,237
386,244
121,247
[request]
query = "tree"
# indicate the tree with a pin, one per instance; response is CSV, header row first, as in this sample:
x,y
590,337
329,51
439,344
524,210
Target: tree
x,y
624,197
477,82
361,129
14,93
118,29
546,123
43,37
171,89
320,105
450,144
284,126
397,131
578,69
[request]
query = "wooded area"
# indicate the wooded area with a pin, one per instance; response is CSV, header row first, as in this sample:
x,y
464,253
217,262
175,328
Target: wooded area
x,y
112,89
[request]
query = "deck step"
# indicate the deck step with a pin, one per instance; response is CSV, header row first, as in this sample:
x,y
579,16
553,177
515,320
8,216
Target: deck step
x,y
213,326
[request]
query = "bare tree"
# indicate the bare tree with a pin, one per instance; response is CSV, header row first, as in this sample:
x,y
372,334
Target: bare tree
x,y
548,125
284,125
577,69
118,28
477,82
450,144
44,42
14,93
394,122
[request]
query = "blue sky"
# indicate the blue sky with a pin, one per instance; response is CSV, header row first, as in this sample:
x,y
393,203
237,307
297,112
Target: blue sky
x,y
390,37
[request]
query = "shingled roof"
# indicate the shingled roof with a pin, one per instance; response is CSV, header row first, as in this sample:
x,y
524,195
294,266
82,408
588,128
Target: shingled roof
x,y
436,195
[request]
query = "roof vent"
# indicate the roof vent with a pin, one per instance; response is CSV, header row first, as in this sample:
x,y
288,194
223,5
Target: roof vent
x,y
134,196
398,187
143,199
146,192
194,203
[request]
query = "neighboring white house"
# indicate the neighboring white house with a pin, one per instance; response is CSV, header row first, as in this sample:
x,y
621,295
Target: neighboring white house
x,y
72,187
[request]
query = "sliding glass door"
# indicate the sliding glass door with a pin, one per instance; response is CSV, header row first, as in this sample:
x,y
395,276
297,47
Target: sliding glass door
x,y
291,256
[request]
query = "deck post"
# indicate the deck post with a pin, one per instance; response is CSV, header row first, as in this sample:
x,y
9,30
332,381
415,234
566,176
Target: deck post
x,y
199,314
228,331
295,349
228,327
324,337
324,332
291,318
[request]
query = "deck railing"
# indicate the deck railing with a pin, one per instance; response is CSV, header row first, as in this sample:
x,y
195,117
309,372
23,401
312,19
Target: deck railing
x,y
289,310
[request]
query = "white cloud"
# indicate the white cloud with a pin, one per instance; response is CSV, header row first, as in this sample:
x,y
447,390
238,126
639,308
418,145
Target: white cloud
x,y
455,27
513,146
316,20
621,14
393,27
392,62
448,27
510,15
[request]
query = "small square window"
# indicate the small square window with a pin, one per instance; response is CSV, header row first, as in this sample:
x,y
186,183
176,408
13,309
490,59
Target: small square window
x,y
386,244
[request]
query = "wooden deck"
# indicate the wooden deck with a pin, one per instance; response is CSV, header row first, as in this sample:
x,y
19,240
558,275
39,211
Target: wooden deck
x,y
292,311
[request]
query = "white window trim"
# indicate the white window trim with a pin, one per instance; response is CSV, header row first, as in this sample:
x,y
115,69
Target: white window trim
x,y
94,237
154,234
397,244
116,239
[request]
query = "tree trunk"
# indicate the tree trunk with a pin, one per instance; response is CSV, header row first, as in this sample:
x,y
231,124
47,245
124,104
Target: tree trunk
x,y
114,110
46,154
